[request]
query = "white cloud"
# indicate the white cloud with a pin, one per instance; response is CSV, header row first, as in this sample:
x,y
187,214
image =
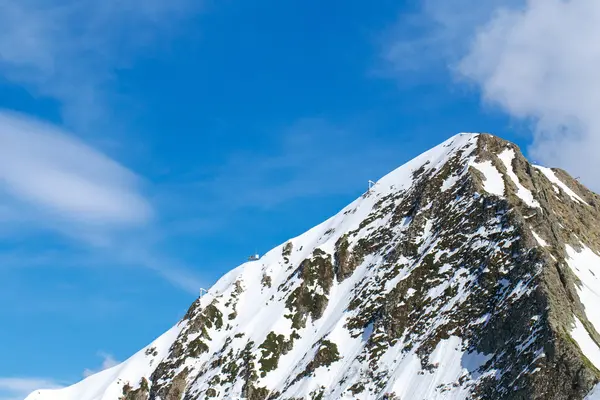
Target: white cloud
x,y
537,60
138,252
68,49
14,388
433,36
65,180
51,181
108,361
541,63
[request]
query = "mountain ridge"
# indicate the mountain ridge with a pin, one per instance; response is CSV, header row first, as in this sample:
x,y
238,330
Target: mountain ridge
x,y
464,273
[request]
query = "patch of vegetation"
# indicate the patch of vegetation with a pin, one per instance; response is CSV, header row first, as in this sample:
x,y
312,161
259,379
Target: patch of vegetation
x,y
256,393
151,351
213,316
318,394
327,354
344,262
144,384
287,249
126,389
357,388
272,349
310,298
197,347
266,281
140,393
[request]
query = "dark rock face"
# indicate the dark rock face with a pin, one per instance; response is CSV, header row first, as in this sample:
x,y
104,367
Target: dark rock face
x,y
434,284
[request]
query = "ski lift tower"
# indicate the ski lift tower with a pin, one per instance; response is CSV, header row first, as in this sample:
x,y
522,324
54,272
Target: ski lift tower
x,y
371,184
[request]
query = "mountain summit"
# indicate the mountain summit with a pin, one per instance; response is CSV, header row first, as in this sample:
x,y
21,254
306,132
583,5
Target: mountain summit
x,y
467,273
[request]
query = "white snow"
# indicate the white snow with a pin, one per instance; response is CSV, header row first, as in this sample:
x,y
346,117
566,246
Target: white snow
x,y
450,182
431,160
586,266
557,182
108,384
594,394
587,345
541,241
507,157
450,363
494,183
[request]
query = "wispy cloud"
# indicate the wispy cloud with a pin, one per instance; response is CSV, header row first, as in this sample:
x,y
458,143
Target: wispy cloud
x,y
108,361
138,251
50,180
13,388
534,59
541,63
69,49
433,36
52,173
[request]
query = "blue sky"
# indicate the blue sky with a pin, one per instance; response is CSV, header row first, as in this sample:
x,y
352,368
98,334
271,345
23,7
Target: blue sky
x,y
147,147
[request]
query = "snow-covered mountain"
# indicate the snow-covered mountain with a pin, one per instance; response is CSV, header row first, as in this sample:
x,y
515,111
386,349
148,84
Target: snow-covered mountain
x,y
467,273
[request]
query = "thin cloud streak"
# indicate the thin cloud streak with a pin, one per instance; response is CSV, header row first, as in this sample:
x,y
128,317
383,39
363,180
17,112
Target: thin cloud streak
x,y
65,179
108,361
433,37
69,49
51,181
17,388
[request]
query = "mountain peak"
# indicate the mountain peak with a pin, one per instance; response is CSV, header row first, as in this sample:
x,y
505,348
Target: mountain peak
x,y
466,273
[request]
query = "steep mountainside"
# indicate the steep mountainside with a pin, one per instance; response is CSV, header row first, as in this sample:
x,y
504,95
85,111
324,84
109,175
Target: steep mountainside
x,y
467,273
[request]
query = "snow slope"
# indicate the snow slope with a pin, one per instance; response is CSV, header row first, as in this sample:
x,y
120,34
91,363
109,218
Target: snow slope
x,y
507,157
108,384
586,266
